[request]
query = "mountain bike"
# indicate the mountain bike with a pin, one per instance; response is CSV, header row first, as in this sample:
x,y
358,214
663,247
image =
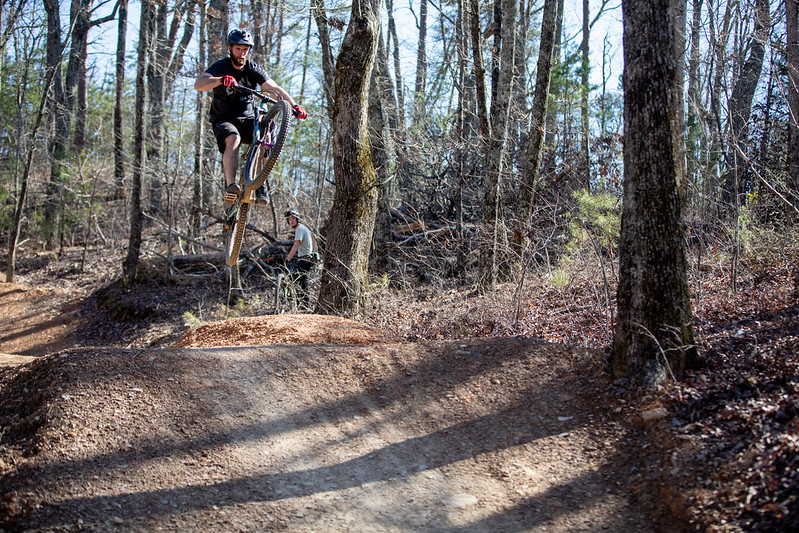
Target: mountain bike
x,y
289,294
286,300
271,124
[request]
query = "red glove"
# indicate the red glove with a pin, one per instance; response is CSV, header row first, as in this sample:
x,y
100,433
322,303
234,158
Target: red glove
x,y
299,112
228,81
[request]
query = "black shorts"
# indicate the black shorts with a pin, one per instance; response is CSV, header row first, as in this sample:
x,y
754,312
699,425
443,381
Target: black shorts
x,y
241,127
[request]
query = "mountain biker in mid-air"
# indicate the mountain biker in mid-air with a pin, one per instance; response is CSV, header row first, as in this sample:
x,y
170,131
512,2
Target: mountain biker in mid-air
x,y
232,111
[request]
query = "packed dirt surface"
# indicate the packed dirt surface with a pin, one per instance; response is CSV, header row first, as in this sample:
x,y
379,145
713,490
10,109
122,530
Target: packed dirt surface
x,y
161,407
307,423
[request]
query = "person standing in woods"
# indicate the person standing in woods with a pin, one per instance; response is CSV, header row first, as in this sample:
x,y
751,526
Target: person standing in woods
x,y
232,111
303,250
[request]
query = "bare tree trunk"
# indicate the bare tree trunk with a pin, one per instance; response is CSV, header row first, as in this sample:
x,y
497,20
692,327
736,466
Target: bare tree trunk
x,y
281,13
80,12
13,236
677,16
57,146
355,200
479,69
382,119
740,107
216,33
535,146
217,14
692,126
200,178
154,137
718,44
119,138
392,37
653,340
164,65
131,263
496,152
421,68
387,89
548,151
257,15
584,180
792,31
519,106
328,68
460,131
382,159
76,83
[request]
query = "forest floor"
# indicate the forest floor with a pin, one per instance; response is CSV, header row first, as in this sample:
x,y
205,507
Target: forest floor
x,y
115,414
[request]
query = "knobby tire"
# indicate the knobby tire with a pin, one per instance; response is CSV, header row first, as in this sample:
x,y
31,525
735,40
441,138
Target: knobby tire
x,y
265,151
235,233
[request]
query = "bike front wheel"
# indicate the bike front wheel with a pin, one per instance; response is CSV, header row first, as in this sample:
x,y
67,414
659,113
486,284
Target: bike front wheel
x,y
264,152
234,233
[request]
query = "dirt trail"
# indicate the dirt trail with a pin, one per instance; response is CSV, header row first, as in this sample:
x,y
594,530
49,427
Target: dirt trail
x,y
484,435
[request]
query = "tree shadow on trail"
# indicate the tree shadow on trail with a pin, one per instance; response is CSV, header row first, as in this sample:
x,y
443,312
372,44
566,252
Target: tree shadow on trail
x,y
400,460
516,421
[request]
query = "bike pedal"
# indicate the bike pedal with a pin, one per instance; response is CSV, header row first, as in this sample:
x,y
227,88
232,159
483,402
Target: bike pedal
x,y
232,193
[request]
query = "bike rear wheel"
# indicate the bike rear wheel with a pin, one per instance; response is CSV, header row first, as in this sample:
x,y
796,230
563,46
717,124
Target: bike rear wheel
x,y
234,233
264,151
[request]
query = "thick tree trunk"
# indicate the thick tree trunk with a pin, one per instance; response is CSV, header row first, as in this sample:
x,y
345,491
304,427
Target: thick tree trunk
x,y
355,200
653,339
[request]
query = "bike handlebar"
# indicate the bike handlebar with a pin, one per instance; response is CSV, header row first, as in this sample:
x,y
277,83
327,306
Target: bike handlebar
x,y
263,96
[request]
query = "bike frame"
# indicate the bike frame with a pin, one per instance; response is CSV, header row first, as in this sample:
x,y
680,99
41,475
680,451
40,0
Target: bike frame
x,y
261,157
261,109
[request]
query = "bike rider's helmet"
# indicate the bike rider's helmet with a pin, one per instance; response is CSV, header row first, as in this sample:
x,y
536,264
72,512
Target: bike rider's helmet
x,y
238,36
292,213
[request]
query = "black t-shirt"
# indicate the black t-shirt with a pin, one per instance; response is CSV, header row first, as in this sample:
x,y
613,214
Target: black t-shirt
x,y
229,103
